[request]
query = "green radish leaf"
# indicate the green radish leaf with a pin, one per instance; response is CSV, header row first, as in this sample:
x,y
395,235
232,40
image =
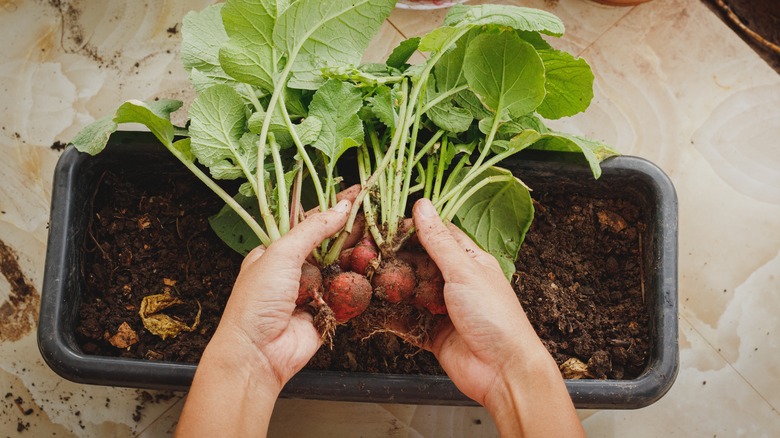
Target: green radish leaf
x,y
523,140
457,149
469,101
447,75
403,52
526,21
449,70
337,105
246,189
154,115
247,148
381,105
450,118
202,35
249,54
594,151
510,127
497,217
200,80
534,39
255,122
520,124
93,138
229,226
318,34
135,111
516,17
278,127
309,130
569,85
217,119
184,146
295,103
487,123
438,39
505,72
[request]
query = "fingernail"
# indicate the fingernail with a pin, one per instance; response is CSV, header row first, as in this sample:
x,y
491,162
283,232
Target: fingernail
x,y
342,206
425,208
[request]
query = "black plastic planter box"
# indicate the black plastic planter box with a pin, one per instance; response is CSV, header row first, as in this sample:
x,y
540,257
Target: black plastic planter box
x,y
74,183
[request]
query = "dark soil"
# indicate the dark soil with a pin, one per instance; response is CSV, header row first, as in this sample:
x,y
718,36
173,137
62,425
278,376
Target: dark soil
x,y
579,280
148,238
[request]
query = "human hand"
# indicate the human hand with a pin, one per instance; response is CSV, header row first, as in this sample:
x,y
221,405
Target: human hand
x,y
260,320
488,335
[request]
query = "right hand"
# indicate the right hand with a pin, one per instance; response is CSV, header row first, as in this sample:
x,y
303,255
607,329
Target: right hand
x,y
487,337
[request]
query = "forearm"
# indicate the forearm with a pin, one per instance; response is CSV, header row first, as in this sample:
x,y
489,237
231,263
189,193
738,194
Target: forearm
x,y
531,401
229,396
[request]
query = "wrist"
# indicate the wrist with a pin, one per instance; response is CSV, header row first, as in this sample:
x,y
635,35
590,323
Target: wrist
x,y
238,359
230,380
524,378
530,399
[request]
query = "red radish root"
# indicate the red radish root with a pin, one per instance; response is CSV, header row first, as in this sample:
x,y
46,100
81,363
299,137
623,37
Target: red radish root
x,y
348,295
364,256
310,286
429,293
344,259
394,281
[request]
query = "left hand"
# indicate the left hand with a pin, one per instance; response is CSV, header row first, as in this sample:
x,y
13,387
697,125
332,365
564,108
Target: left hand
x,y
260,321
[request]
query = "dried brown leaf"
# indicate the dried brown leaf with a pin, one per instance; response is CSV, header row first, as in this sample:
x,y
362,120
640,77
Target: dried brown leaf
x,y
160,324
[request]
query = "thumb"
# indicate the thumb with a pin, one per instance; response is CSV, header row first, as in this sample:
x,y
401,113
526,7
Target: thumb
x,y
437,240
299,242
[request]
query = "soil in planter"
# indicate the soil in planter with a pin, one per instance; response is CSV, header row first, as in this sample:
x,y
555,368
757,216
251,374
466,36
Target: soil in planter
x,y
148,238
579,280
579,283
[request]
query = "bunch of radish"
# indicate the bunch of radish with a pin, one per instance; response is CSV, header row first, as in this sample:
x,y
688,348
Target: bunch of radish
x,y
411,278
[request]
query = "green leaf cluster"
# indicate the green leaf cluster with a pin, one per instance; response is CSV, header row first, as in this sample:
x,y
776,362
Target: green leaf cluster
x,y
282,96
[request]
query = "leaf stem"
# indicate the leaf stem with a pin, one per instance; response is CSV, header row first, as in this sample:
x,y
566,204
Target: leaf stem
x,y
452,208
493,129
443,96
428,175
440,170
410,156
265,210
379,157
452,177
281,187
396,147
364,164
424,150
473,173
295,204
307,160
250,221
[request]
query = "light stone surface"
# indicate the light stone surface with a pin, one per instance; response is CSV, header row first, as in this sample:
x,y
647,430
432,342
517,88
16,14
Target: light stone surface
x,y
673,85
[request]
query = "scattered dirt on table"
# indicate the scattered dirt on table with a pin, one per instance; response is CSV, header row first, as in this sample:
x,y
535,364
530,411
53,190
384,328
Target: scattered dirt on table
x,y
72,35
58,145
19,311
145,398
578,279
